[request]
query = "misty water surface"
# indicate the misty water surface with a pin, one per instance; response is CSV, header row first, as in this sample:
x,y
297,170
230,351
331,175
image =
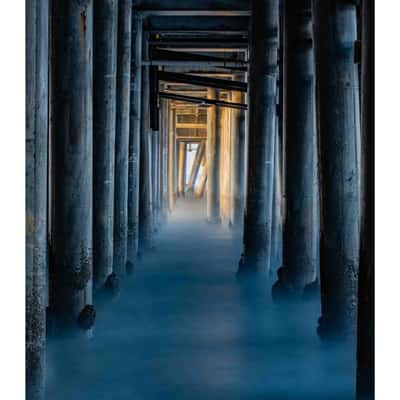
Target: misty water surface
x,y
184,328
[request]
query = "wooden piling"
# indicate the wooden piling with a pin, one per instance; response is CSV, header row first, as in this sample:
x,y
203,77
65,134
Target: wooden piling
x,y
182,169
238,134
213,150
145,198
134,141
262,126
37,95
171,157
72,161
366,277
301,229
104,107
335,35
122,136
165,160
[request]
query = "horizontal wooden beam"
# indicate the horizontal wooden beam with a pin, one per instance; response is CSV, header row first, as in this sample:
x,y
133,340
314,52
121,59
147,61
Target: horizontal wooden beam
x,y
194,13
192,32
199,43
202,101
191,138
205,81
171,58
229,65
187,125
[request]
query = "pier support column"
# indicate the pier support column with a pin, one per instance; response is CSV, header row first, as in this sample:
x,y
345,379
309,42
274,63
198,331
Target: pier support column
x,y
72,161
134,141
335,34
366,276
238,150
262,109
154,177
171,157
213,154
182,169
122,136
196,166
301,229
37,96
145,197
104,106
165,161
276,231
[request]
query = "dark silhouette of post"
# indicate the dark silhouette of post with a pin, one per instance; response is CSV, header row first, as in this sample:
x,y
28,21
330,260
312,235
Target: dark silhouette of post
x,y
122,136
165,162
335,35
366,276
171,157
276,230
72,162
238,137
301,229
104,106
262,127
37,96
134,141
213,155
145,198
155,176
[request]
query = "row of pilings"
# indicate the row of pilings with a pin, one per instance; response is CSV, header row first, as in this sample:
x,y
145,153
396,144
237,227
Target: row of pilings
x,y
100,179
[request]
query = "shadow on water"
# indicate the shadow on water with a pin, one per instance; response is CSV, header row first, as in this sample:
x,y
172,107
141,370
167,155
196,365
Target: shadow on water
x,y
184,328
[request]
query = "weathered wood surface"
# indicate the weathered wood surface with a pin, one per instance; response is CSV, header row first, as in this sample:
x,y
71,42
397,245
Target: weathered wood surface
x,y
122,136
72,161
104,107
262,126
301,228
335,34
36,141
134,141
366,276
213,154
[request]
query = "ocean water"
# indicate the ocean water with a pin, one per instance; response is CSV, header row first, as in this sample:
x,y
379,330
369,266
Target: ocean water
x,y
183,328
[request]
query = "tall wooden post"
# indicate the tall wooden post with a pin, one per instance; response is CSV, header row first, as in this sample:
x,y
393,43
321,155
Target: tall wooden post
x,y
122,136
196,166
276,230
366,276
155,175
171,157
72,161
224,128
165,161
145,198
134,141
213,153
301,229
37,96
238,134
335,34
182,169
104,105
262,109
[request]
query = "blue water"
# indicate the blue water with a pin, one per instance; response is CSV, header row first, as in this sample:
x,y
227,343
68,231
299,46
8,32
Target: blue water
x,y
183,328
